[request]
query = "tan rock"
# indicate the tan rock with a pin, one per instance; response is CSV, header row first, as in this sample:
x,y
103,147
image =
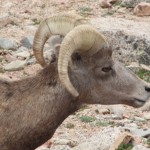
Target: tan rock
x,y
124,138
118,110
33,69
9,57
146,115
142,9
107,3
4,19
140,147
145,67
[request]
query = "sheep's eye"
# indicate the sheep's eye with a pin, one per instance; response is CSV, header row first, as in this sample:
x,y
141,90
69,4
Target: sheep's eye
x,y
106,69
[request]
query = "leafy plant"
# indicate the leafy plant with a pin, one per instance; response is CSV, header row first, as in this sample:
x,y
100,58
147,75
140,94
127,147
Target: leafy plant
x,y
36,21
83,107
143,74
70,125
148,142
102,124
84,10
87,119
1,70
118,3
128,146
110,12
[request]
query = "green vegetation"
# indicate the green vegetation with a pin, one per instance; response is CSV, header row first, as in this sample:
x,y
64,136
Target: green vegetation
x,y
70,125
148,143
2,70
144,74
13,23
125,147
109,13
102,124
87,119
118,3
84,10
36,21
83,107
127,5
97,111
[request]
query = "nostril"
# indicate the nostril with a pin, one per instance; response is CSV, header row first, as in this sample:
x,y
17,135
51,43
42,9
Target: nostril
x,y
147,89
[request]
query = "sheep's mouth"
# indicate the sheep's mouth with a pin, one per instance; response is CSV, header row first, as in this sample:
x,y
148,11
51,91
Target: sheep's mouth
x,y
139,102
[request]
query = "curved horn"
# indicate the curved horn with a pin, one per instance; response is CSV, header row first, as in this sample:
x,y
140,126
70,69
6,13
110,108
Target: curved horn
x,y
55,25
83,38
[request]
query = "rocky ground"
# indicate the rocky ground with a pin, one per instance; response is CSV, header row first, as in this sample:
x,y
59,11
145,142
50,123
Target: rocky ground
x,y
93,127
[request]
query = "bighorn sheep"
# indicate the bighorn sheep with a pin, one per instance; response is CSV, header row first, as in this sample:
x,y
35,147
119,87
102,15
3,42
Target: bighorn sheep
x,y
31,109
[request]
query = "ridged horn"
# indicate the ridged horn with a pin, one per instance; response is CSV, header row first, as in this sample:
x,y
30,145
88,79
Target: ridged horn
x,y
55,25
86,40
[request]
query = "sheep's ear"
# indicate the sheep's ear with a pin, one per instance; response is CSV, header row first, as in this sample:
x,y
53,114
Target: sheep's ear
x,y
57,48
55,53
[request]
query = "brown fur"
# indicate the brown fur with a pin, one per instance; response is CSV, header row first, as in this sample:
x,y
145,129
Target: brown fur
x,y
31,109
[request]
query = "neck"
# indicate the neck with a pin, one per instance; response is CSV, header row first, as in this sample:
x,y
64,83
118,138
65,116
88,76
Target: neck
x,y
31,110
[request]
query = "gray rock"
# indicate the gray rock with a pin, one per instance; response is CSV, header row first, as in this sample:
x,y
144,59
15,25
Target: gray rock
x,y
7,44
140,147
15,65
61,142
24,54
139,119
9,58
30,28
131,125
146,115
4,15
138,132
70,142
101,141
31,61
4,19
118,110
8,4
132,3
27,41
22,49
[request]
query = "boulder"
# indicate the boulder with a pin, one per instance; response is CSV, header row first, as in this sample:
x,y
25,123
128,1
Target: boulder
x,y
98,141
107,3
142,9
7,44
15,65
140,147
27,41
132,3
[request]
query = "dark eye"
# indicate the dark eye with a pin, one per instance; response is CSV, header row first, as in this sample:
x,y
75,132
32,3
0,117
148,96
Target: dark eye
x,y
106,69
